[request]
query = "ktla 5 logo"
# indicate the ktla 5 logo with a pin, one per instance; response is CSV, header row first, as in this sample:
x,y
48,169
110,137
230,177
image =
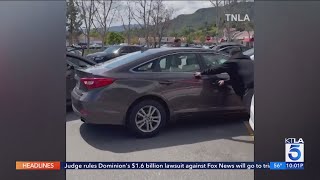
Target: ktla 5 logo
x,y
294,150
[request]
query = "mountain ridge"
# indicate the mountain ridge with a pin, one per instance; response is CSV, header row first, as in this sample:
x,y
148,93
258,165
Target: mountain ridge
x,y
199,18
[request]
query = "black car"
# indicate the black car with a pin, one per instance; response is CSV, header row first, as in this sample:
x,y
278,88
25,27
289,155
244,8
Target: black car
x,y
75,50
224,45
112,52
227,50
74,62
249,52
83,45
147,89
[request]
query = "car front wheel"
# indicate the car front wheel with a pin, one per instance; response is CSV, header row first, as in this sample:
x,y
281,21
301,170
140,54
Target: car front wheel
x,y
147,118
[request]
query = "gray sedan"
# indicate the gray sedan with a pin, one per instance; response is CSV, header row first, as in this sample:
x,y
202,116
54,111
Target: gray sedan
x,y
145,90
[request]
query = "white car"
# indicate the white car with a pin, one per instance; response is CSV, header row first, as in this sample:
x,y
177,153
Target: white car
x,y
251,120
95,46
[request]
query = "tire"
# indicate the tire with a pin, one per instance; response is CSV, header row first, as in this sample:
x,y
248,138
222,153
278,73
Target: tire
x,y
135,119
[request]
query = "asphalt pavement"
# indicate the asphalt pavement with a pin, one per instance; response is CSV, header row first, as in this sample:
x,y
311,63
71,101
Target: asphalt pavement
x,y
214,140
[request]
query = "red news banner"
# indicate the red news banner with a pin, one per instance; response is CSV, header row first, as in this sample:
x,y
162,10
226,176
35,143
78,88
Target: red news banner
x,y
37,165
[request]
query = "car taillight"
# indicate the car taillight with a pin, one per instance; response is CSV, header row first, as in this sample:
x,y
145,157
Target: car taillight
x,y
92,83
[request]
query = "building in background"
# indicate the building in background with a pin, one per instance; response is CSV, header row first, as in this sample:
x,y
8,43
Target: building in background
x,y
245,38
164,40
83,39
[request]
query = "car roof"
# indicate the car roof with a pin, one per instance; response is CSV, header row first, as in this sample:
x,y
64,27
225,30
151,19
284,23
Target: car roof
x,y
176,49
170,50
125,45
249,52
231,46
228,43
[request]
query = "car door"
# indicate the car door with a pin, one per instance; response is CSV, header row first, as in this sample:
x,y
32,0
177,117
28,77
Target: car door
x,y
177,83
226,99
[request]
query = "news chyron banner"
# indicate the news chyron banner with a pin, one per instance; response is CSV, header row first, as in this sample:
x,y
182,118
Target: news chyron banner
x,y
294,160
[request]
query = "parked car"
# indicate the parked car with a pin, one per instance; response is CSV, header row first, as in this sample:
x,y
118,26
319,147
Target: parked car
x,y
74,62
83,45
76,46
95,46
75,50
147,89
112,52
228,49
206,47
251,120
250,53
225,44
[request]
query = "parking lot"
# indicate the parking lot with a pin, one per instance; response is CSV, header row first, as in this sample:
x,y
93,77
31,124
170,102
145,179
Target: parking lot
x,y
214,139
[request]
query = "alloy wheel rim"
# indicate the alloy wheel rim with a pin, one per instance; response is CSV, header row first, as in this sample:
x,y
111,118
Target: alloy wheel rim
x,y
148,118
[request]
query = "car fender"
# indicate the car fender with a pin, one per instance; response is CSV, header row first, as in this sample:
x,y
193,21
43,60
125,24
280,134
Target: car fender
x,y
151,95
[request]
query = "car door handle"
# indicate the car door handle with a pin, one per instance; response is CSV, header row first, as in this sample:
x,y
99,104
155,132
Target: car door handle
x,y
166,82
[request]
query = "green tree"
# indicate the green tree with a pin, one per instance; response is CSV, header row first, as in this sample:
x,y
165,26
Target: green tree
x,y
189,39
213,31
174,34
184,31
202,39
74,21
115,38
94,33
198,34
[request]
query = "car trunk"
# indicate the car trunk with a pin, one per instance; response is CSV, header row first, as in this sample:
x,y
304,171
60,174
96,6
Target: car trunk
x,y
91,73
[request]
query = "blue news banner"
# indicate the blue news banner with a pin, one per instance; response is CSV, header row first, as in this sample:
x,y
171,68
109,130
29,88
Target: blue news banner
x,y
180,165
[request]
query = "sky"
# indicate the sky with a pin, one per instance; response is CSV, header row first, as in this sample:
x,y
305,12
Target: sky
x,y
181,7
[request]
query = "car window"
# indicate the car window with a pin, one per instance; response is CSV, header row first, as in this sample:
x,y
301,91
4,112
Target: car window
x,y
126,50
146,68
226,50
249,52
77,62
179,63
212,60
119,61
112,49
172,63
243,48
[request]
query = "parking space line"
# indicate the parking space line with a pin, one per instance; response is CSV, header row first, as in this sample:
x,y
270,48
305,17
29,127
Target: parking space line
x,y
250,131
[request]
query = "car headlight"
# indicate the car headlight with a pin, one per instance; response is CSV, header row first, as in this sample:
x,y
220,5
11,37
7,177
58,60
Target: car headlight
x,y
98,58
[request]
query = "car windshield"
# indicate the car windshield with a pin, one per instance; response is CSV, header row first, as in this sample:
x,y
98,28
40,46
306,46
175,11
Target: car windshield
x,y
119,61
111,49
249,52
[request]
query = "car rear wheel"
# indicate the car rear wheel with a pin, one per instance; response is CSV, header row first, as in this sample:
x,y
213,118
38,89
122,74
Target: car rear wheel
x,y
147,118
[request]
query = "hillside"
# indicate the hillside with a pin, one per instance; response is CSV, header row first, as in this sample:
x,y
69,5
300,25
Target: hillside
x,y
199,18
121,29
